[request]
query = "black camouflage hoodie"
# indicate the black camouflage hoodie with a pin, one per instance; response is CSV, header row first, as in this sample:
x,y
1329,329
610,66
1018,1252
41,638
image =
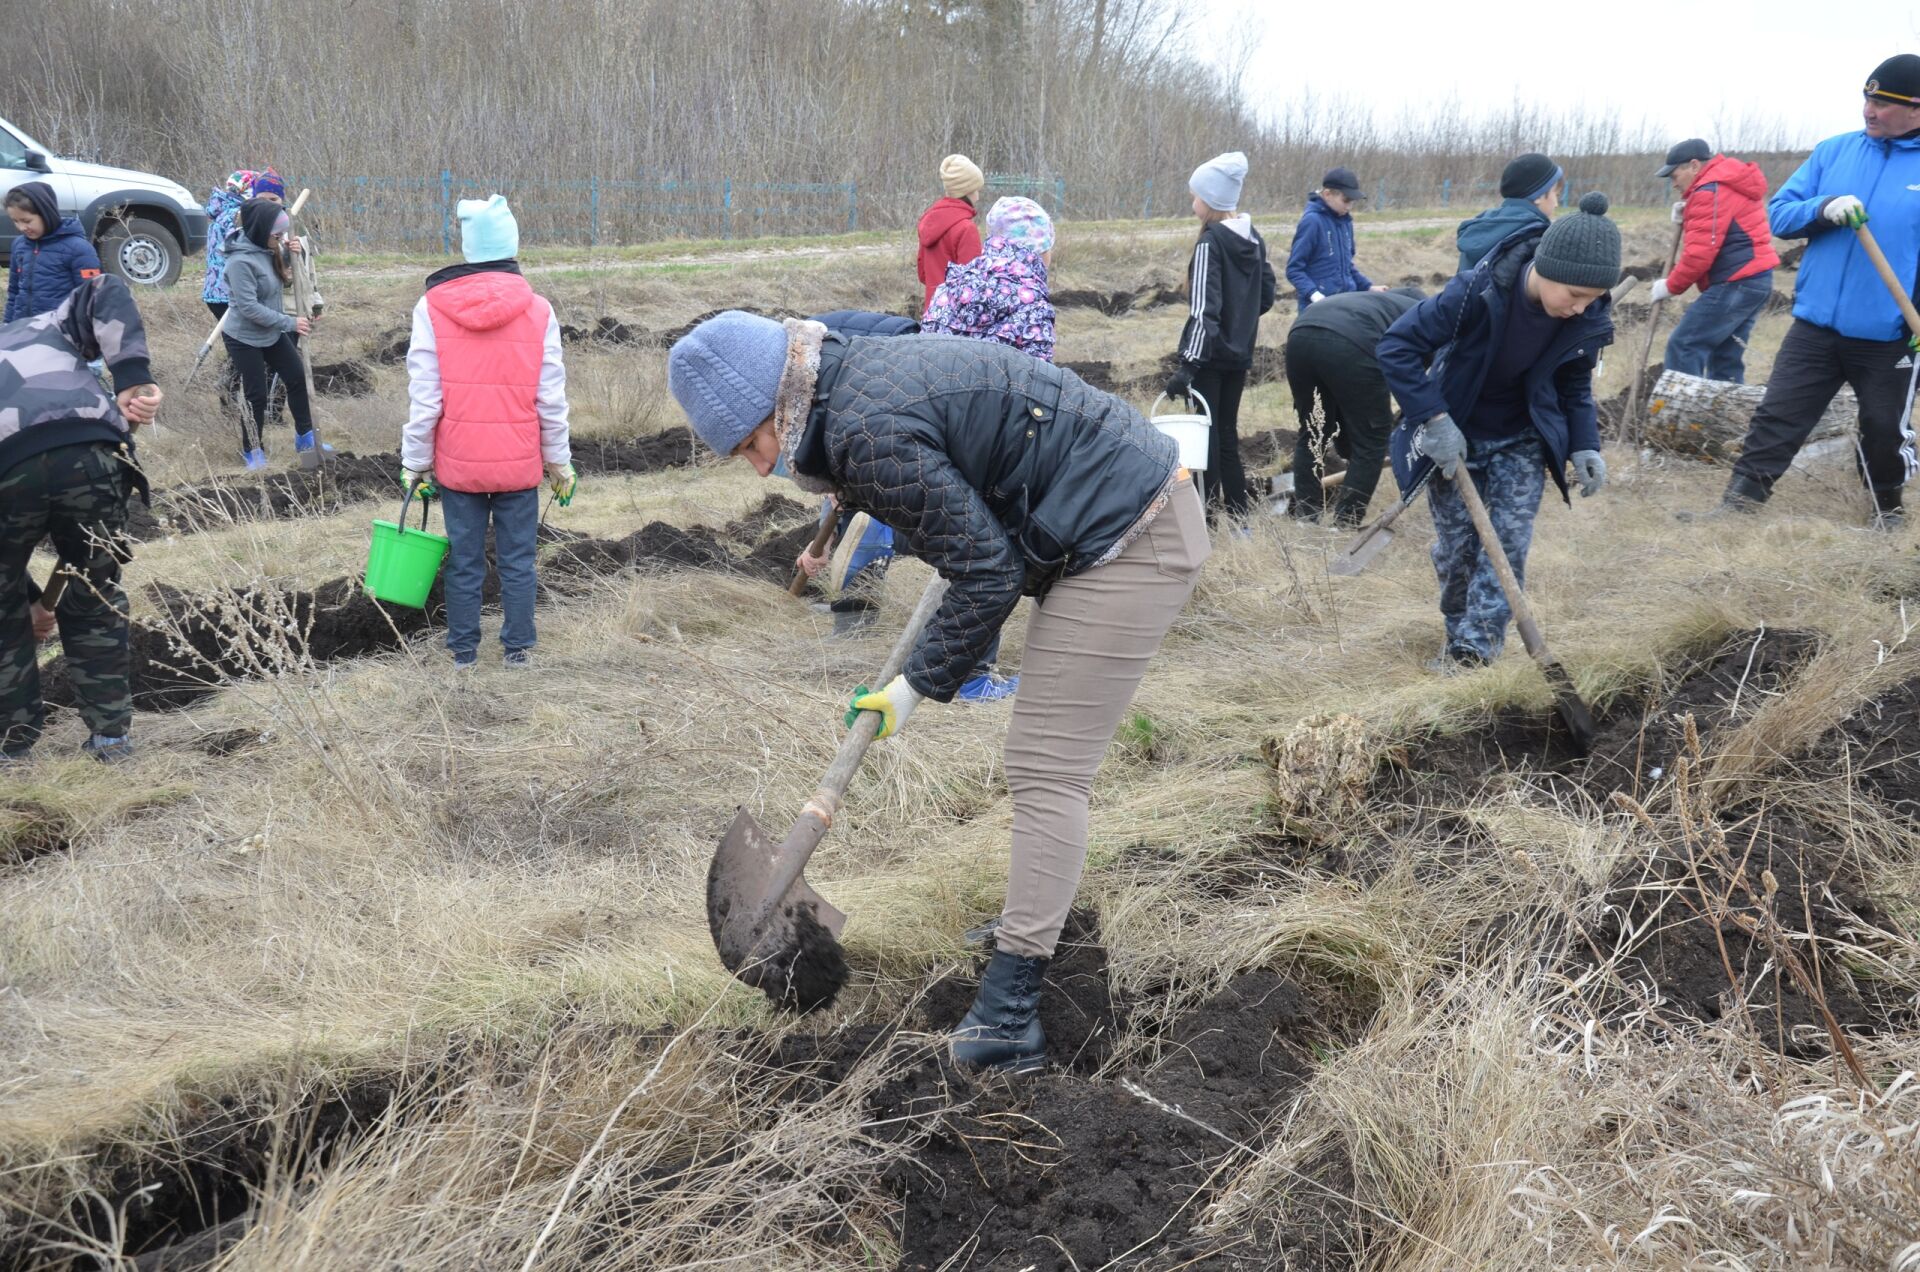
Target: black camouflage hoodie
x,y
48,396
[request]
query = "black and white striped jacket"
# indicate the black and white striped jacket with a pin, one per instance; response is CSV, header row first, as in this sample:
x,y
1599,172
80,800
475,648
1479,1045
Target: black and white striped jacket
x,y
1231,285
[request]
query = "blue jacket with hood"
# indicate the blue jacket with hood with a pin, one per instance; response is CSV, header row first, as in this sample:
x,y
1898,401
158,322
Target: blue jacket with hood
x,y
1321,259
1838,287
41,272
1481,234
1459,332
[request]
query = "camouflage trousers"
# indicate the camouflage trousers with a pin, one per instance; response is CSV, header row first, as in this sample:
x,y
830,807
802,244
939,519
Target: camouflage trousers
x,y
1510,473
77,497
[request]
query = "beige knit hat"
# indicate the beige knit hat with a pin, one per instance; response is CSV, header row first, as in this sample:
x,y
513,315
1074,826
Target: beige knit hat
x,y
960,176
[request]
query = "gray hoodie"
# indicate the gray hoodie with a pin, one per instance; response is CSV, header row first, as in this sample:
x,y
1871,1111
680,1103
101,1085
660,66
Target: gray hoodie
x,y
255,294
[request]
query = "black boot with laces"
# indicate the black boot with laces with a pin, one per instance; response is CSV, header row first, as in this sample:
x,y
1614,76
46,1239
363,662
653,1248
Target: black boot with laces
x,y
1001,1032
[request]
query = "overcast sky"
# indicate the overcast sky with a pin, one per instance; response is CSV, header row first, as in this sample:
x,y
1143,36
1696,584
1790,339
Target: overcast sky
x,y
1682,64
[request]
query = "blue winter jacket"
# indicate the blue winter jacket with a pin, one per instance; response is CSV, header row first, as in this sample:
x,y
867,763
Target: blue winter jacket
x,y
1459,333
1481,234
1838,287
41,272
1322,255
223,217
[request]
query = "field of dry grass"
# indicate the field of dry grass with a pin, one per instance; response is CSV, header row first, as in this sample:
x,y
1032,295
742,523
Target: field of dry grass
x,y
358,966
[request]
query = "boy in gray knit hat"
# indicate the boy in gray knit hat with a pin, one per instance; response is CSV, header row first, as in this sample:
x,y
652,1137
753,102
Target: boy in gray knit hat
x,y
1513,344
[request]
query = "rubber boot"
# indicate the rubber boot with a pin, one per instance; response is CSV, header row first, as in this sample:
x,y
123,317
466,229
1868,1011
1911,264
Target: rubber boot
x,y
1001,1031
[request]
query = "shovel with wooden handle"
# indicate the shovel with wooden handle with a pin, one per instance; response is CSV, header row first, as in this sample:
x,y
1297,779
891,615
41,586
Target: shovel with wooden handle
x,y
1631,420
818,547
1887,276
310,458
772,930
1566,699
1373,540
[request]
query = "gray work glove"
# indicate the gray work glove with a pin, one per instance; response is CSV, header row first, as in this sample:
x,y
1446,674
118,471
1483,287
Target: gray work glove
x,y
1590,471
1441,441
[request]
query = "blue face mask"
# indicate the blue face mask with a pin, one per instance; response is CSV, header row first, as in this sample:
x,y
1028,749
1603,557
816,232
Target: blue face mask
x,y
780,467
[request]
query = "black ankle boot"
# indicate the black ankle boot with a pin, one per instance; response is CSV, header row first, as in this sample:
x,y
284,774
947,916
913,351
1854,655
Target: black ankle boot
x,y
1001,1031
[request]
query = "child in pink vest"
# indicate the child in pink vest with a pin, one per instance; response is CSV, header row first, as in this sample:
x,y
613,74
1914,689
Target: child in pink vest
x,y
488,420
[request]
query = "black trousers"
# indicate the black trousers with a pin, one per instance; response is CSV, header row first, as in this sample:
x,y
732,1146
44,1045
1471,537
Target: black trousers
x,y
1354,420
283,358
1226,482
1812,364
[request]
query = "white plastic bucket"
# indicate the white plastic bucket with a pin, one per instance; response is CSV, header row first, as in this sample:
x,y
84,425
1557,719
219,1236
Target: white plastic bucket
x,y
1190,432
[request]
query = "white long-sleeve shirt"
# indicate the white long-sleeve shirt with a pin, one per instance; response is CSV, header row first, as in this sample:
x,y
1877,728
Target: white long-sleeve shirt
x,y
426,400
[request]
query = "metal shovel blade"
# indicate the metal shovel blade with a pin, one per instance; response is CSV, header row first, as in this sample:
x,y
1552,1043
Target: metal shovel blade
x,y
787,947
1371,543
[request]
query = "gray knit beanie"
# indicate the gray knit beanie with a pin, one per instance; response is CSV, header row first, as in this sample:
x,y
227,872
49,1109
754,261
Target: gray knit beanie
x,y
1582,250
725,374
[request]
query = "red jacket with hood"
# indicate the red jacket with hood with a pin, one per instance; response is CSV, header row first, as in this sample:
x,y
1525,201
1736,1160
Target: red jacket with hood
x,y
948,236
1726,236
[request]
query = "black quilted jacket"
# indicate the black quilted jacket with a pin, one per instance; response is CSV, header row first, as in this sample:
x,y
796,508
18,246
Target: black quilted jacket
x,y
1002,472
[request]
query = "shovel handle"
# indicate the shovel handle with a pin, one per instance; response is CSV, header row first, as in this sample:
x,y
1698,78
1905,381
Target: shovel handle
x,y
56,584
821,539
790,859
1887,276
1490,541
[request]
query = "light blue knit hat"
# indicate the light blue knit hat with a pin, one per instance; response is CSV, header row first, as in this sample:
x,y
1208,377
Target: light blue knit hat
x,y
1022,222
488,231
725,374
1218,181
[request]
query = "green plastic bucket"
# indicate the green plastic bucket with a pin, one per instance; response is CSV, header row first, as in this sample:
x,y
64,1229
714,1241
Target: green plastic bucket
x,y
403,563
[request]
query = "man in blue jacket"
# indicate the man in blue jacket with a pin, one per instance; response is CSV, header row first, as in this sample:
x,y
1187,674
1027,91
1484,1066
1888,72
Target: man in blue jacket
x,y
1320,263
1847,328
1512,346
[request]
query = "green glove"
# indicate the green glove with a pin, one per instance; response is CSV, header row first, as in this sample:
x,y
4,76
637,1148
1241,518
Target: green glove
x,y
895,702
563,481
422,475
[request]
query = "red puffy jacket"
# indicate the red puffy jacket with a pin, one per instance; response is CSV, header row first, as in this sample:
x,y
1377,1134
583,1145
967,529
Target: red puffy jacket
x,y
948,236
1727,237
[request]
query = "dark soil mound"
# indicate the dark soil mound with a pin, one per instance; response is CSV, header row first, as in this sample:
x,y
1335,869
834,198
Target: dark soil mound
x,y
674,334
606,331
390,348
1263,450
342,379
1115,303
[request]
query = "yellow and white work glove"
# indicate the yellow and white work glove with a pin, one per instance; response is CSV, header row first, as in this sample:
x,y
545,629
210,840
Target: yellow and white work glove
x,y
422,475
895,702
563,481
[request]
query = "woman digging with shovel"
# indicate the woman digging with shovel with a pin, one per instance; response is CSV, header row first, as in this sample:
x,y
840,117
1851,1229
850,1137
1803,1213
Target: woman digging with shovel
x,y
1009,477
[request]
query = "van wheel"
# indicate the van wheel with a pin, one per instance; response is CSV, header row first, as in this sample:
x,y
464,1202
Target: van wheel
x,y
141,251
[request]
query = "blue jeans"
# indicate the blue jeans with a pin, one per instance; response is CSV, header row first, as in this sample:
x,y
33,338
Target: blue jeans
x,y
1711,338
1510,473
516,518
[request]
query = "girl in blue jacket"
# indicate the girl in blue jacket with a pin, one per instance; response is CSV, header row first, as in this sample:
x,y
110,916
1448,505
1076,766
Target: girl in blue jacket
x,y
51,255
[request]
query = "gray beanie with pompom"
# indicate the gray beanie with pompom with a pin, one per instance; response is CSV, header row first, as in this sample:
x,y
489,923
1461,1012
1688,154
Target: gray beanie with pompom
x,y
1581,250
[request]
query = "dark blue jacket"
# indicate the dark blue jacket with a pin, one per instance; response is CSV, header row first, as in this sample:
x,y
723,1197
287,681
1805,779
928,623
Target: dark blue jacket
x,y
1481,234
866,322
1322,255
1459,332
41,272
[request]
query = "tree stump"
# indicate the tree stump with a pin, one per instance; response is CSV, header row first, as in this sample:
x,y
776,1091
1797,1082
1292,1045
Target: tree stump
x,y
1707,419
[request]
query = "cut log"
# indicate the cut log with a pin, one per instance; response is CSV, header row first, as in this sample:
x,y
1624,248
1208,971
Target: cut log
x,y
1708,419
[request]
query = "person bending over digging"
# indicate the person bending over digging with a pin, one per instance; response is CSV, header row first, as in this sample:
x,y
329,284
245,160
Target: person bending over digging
x,y
1009,477
1513,346
1847,327
1330,358
66,469
487,418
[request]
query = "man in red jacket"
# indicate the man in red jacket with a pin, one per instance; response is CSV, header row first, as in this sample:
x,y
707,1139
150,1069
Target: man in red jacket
x,y
1728,251
948,235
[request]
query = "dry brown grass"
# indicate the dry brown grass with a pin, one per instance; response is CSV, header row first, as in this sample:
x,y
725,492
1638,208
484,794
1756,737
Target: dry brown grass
x,y
501,884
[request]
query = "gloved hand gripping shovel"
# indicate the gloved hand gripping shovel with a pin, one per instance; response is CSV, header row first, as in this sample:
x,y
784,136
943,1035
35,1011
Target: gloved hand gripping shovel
x,y
1566,699
772,930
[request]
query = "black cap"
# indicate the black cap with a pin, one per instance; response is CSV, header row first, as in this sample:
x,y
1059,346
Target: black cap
x,y
1529,176
1342,181
1896,80
1686,152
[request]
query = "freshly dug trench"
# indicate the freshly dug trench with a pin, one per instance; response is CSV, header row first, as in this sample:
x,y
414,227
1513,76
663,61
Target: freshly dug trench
x,y
203,642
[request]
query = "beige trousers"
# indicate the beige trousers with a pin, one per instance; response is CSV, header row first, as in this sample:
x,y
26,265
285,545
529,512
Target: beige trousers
x,y
1088,645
